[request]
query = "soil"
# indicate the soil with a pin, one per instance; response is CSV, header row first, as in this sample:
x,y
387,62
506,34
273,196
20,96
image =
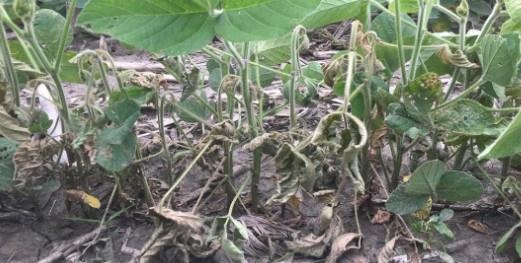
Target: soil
x,y
28,234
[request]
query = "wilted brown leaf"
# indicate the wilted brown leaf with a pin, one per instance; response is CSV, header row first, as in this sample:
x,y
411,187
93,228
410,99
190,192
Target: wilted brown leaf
x,y
387,251
340,245
82,197
381,217
477,226
184,219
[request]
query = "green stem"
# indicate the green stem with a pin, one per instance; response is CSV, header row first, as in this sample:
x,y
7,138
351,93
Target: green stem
x,y
184,174
166,151
384,9
9,66
64,35
395,179
488,24
296,73
399,39
421,30
464,94
351,60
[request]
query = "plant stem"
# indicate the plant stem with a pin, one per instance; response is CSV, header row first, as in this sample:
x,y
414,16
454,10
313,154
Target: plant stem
x,y
398,157
497,188
9,66
351,60
296,73
166,151
496,10
167,195
399,39
64,35
423,18
463,94
384,9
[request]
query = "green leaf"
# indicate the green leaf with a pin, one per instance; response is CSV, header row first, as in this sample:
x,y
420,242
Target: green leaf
x,y
48,26
331,11
406,6
139,95
507,144
177,27
383,25
518,246
446,214
240,228
458,186
115,148
443,229
514,9
40,122
401,203
7,150
425,178
510,26
400,121
232,250
502,242
467,117
195,105
499,57
120,112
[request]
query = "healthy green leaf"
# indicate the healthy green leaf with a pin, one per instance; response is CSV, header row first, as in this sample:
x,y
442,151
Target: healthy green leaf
x,y
443,229
502,242
499,57
195,105
406,6
177,27
458,186
120,112
331,11
139,95
401,203
116,148
232,250
514,9
507,144
425,178
48,26
40,122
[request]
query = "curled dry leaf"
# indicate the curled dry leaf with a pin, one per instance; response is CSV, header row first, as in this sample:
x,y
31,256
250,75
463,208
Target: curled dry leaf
x,y
309,245
31,156
184,219
387,251
477,226
341,245
10,127
381,217
82,197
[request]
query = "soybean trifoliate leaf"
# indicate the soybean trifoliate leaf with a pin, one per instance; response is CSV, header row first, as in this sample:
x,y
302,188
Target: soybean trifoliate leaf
x,y
177,27
401,203
507,144
458,186
426,177
331,11
499,57
48,25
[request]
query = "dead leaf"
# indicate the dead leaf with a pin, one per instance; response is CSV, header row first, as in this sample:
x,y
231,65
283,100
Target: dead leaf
x,y
184,219
83,197
327,197
381,217
340,245
309,245
10,128
477,226
324,220
387,251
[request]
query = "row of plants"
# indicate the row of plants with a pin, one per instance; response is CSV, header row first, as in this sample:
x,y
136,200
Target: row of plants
x,y
388,76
